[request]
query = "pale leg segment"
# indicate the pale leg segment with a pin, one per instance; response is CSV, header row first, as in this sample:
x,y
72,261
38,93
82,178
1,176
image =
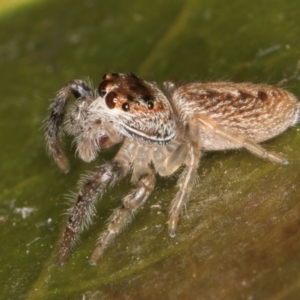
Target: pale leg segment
x,y
123,215
185,185
240,140
170,159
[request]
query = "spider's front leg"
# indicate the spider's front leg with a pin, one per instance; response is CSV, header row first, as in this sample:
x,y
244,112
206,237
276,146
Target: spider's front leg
x,y
123,215
82,212
79,89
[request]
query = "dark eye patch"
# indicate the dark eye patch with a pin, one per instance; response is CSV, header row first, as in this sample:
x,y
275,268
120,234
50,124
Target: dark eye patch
x,y
130,98
125,106
110,100
138,88
150,105
147,98
141,92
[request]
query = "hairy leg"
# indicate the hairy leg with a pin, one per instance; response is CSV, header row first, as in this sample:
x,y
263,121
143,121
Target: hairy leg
x,y
123,215
77,88
82,212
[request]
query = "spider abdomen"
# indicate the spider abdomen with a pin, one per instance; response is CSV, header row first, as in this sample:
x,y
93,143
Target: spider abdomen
x,y
257,111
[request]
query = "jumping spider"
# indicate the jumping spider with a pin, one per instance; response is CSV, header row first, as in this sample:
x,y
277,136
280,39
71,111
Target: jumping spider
x,y
160,132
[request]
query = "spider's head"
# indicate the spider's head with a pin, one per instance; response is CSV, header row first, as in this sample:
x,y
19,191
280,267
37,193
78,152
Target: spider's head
x,y
136,107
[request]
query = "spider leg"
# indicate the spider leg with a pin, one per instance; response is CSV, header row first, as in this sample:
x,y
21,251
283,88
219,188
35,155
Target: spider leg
x,y
185,185
240,140
82,212
170,158
78,88
188,175
123,215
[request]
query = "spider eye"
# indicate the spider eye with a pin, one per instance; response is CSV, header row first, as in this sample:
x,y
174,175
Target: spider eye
x,y
125,106
150,105
111,99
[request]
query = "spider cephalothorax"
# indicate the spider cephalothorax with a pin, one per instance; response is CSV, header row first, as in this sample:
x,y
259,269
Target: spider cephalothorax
x,y
139,108
164,130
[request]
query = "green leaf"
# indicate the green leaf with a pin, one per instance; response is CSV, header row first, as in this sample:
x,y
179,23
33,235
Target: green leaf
x,y
240,235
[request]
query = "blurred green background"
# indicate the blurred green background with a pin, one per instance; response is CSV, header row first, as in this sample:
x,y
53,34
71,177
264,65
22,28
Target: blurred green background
x,y
240,236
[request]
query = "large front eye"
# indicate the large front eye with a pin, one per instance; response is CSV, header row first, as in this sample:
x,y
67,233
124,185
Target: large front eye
x,y
111,99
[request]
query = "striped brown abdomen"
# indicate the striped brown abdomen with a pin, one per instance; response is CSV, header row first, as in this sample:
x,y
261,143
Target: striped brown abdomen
x,y
256,111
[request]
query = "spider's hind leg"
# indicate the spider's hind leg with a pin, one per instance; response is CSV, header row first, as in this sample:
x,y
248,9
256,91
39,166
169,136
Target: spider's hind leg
x,y
239,141
79,89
